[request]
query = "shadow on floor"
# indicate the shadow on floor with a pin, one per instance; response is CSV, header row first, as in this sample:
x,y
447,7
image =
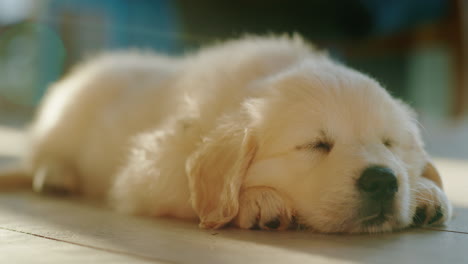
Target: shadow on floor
x,y
182,242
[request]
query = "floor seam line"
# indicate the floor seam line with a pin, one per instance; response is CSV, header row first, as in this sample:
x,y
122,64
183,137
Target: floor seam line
x,y
443,230
88,246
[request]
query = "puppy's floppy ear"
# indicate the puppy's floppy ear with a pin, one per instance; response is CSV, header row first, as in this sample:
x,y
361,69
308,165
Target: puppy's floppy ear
x,y
216,172
431,173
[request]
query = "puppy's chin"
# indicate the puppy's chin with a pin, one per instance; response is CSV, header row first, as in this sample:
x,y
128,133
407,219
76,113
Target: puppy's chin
x,y
377,225
356,225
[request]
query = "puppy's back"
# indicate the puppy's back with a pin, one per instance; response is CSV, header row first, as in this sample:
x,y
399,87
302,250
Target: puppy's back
x,y
86,119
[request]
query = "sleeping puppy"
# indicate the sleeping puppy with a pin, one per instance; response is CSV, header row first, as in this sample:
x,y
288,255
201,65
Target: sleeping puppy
x,y
259,132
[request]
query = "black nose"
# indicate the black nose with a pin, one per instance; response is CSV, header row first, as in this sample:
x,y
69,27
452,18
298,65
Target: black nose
x,y
378,182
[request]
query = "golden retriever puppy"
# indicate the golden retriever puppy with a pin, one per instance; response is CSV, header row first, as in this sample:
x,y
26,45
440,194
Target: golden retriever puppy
x,y
259,133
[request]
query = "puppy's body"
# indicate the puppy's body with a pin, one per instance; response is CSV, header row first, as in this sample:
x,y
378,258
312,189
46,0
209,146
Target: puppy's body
x,y
223,134
87,120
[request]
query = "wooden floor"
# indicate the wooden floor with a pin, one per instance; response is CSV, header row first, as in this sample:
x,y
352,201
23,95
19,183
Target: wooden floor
x,y
39,229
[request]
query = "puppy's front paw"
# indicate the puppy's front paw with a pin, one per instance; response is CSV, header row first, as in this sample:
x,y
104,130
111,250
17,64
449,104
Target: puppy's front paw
x,y
55,178
263,208
433,207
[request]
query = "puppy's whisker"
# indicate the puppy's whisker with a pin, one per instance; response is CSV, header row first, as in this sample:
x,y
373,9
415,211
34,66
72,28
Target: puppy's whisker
x,y
367,218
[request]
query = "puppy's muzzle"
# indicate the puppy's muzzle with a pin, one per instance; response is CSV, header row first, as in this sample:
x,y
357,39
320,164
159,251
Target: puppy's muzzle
x,y
377,186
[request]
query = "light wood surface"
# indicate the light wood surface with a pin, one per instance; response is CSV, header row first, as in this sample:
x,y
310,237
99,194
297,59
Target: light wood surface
x,y
41,229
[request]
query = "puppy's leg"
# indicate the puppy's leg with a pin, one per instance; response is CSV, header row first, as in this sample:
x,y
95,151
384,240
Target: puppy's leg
x,y
153,181
432,205
264,208
56,178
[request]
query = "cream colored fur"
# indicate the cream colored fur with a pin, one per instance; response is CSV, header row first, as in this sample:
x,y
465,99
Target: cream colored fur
x,y
227,135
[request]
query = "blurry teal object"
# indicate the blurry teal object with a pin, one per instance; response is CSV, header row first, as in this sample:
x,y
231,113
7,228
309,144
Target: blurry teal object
x,y
52,55
24,65
143,24
389,17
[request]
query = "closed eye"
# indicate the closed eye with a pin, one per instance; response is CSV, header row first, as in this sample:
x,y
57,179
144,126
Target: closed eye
x,y
323,146
387,142
320,145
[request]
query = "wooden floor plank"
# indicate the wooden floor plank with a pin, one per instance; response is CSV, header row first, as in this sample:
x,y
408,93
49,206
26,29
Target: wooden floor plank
x,y
17,247
175,241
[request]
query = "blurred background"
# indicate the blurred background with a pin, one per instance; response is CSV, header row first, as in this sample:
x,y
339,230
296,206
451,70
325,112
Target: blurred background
x,y
418,49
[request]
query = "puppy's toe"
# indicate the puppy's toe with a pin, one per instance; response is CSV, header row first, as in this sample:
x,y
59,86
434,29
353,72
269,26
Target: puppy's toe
x,y
437,217
281,221
263,208
56,179
419,216
273,224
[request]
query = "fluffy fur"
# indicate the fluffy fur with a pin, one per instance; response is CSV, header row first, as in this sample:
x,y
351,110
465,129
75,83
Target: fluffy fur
x,y
229,135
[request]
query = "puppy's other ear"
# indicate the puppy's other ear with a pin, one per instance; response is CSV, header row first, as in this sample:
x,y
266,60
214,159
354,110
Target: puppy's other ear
x,y
216,172
431,173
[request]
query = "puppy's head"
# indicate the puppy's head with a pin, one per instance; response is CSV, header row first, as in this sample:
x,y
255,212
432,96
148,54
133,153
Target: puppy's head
x,y
340,147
